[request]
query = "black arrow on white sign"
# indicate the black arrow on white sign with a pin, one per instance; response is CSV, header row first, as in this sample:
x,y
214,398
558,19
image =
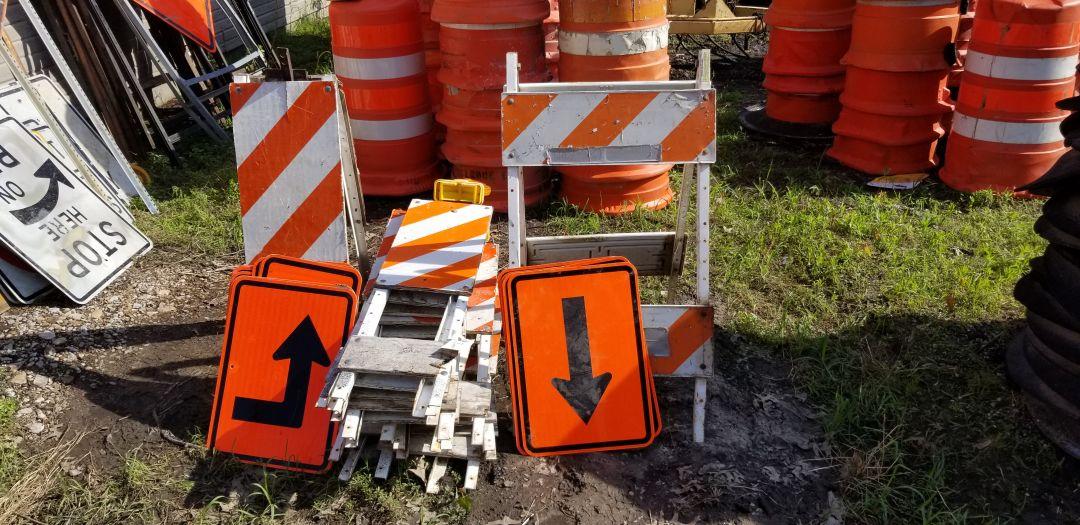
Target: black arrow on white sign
x,y
583,390
38,211
302,348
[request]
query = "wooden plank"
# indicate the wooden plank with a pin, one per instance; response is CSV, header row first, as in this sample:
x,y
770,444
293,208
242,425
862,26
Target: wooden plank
x,y
382,469
393,356
438,470
474,399
472,474
388,383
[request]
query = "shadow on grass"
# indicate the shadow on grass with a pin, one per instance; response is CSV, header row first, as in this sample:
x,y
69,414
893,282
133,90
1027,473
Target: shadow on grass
x,y
923,426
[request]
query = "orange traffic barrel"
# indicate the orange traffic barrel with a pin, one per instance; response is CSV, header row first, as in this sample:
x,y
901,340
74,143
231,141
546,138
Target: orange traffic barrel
x,y
551,40
960,45
602,41
895,97
803,74
379,57
902,35
432,57
1022,60
474,38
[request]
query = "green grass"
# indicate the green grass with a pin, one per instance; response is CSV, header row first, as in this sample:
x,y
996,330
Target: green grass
x,y
10,458
895,308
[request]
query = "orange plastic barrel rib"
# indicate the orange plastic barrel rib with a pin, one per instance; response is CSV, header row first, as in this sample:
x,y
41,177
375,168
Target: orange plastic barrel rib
x,y
600,41
1021,60
474,38
379,58
963,38
902,35
894,97
551,40
803,74
810,14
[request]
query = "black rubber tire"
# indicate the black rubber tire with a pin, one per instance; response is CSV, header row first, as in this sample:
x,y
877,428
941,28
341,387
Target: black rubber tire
x,y
1064,341
1061,177
1030,292
1051,233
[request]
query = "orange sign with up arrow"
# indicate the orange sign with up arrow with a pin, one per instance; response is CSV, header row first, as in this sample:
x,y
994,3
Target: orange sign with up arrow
x,y
280,338
579,370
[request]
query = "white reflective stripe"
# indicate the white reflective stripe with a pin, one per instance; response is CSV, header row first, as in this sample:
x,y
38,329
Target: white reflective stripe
x,y
907,3
1014,68
331,245
659,118
491,27
291,188
379,68
384,130
561,117
620,43
1006,132
270,99
439,223
395,274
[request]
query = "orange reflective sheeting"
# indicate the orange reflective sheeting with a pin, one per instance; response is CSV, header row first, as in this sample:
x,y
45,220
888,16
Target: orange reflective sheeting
x,y
193,18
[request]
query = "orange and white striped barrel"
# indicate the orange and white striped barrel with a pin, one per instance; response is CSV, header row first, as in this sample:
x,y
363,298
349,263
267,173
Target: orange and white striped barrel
x,y
605,41
601,40
1022,60
379,58
474,38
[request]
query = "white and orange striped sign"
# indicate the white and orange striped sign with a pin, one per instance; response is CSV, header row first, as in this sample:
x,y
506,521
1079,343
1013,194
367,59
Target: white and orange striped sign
x,y
482,315
289,169
609,128
679,339
396,216
438,247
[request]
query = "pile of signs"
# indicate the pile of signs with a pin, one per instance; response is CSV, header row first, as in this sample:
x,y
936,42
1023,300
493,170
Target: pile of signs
x,y
580,373
58,230
402,387
287,319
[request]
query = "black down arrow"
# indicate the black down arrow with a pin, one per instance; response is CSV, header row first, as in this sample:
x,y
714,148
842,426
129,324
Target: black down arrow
x,y
583,390
302,348
42,208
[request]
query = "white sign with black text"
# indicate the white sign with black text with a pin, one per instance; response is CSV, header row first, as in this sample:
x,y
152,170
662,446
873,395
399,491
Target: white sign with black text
x,y
57,224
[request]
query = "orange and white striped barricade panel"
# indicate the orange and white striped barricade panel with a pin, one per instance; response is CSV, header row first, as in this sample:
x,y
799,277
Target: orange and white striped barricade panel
x,y
624,123
546,127
289,168
392,226
679,339
482,315
438,247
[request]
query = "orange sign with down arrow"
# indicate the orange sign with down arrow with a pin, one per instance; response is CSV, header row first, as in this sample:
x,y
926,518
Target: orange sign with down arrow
x,y
579,370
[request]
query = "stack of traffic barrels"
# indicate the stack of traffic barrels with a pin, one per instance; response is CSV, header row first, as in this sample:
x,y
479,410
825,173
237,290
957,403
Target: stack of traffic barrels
x,y
474,38
1044,360
600,41
894,94
551,40
803,73
378,53
432,60
1022,60
960,45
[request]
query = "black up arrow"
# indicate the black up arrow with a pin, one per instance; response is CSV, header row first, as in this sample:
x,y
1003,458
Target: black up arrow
x,y
43,207
582,391
302,348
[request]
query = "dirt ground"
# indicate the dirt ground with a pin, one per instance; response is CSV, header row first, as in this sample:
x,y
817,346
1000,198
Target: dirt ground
x,y
135,370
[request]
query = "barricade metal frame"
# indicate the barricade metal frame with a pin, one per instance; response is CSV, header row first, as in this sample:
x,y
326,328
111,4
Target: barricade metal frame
x,y
661,252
